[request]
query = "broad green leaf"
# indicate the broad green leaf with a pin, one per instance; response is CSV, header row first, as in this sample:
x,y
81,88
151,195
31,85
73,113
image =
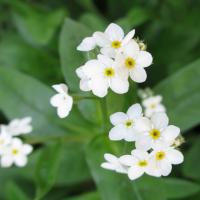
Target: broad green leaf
x,y
32,61
71,36
110,184
13,191
47,169
36,25
22,96
88,196
181,96
192,164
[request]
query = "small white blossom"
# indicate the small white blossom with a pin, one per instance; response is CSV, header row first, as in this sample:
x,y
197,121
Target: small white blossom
x,y
139,163
15,153
101,74
133,61
5,139
19,126
112,163
112,40
62,101
155,132
124,124
87,44
153,105
164,157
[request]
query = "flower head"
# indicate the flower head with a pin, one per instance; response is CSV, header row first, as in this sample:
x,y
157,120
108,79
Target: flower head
x,y
5,139
62,101
124,124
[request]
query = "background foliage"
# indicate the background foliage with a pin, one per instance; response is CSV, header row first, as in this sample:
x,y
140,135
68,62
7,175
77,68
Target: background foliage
x,y
38,39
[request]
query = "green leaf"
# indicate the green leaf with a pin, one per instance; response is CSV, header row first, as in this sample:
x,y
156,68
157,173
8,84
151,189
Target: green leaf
x,y
181,96
89,196
25,96
110,184
47,169
13,191
36,25
192,164
71,36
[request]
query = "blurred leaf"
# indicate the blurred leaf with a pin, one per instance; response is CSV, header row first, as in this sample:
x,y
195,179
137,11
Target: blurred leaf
x,y
87,5
89,196
135,17
181,96
14,192
71,36
192,165
25,96
37,26
95,22
32,61
47,169
110,184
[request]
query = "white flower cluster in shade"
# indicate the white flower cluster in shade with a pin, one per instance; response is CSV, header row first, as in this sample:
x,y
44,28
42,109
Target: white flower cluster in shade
x,y
120,57
12,149
62,100
154,139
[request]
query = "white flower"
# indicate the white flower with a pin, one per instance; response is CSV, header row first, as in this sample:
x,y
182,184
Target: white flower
x,y
103,74
124,124
112,163
19,126
112,40
155,132
5,139
133,61
16,153
163,158
62,101
87,44
138,163
153,105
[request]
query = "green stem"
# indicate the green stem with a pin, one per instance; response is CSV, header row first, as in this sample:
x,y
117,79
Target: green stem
x,y
137,193
104,111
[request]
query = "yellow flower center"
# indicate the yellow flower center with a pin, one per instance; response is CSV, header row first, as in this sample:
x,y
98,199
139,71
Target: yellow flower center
x,y
128,123
15,151
109,72
116,44
142,163
160,155
1,141
153,105
130,63
155,134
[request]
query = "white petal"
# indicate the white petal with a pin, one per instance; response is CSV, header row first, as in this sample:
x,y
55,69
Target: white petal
x,y
135,111
130,135
61,88
175,156
101,39
27,149
140,154
127,160
152,100
108,62
108,166
171,132
114,32
131,49
143,143
118,118
63,110
138,74
108,51
16,142
56,100
118,85
85,85
144,59
128,37
87,44
111,158
92,67
99,86
160,120
6,161
143,124
135,172
165,167
117,132
21,161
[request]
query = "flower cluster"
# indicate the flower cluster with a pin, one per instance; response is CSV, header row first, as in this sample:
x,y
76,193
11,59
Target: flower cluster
x,y
154,152
120,57
12,149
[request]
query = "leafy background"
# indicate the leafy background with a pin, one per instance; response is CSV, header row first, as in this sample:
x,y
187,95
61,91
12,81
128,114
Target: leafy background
x,y
38,39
